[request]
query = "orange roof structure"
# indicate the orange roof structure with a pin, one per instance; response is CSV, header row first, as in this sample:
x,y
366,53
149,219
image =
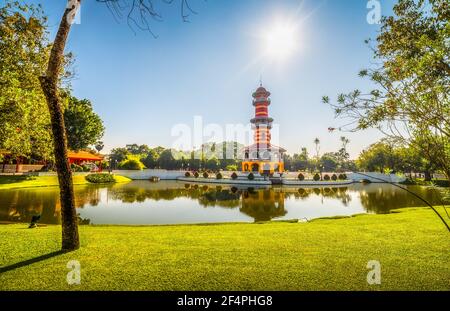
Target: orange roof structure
x,y
83,155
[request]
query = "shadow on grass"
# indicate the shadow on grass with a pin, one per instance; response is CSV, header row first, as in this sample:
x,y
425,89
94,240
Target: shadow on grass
x,y
30,261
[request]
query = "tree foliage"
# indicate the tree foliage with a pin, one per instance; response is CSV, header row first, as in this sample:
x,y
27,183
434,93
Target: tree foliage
x,y
83,126
24,50
411,78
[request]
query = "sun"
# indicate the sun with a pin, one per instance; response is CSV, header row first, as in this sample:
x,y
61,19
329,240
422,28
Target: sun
x,y
281,41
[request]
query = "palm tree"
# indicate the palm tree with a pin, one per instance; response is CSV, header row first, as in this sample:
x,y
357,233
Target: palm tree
x,y
317,142
343,152
345,142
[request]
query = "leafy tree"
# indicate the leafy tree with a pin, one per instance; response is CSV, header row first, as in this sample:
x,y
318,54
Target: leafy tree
x,y
83,126
379,157
410,99
119,154
301,161
24,50
166,160
212,164
131,164
138,149
151,159
329,161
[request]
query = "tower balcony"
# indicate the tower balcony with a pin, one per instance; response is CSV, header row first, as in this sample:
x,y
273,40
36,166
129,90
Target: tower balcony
x,y
261,100
262,120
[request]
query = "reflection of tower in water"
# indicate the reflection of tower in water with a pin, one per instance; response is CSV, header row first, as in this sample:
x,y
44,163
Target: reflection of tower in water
x,y
263,205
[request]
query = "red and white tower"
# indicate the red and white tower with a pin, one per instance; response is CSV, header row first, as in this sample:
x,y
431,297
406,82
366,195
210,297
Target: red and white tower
x,y
262,156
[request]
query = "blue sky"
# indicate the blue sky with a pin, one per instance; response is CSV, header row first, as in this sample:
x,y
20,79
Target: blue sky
x,y
142,86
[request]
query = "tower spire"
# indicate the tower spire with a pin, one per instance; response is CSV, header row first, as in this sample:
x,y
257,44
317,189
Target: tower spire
x,y
260,80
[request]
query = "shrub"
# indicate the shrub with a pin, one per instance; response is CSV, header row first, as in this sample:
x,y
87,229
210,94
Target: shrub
x,y
301,177
205,175
234,175
131,164
196,174
187,174
326,177
342,176
251,176
86,168
232,167
100,178
316,177
334,177
219,176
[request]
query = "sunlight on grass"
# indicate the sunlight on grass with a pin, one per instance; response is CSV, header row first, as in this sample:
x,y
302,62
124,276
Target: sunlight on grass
x,y
21,181
411,245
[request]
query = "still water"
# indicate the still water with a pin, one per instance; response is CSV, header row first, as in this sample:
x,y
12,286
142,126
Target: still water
x,y
172,202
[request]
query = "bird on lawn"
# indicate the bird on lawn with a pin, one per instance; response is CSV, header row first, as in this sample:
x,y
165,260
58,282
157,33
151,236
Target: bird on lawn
x,y
34,221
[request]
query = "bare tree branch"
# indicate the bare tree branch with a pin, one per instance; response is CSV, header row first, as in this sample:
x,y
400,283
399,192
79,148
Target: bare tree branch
x,y
139,13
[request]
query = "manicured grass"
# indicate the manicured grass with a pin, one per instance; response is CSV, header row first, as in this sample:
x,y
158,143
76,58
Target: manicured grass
x,y
23,181
327,254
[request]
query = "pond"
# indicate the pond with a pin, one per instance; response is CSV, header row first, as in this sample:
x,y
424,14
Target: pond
x,y
172,202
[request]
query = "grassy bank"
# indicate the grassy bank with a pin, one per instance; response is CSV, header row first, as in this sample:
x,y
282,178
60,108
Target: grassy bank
x,y
412,247
23,181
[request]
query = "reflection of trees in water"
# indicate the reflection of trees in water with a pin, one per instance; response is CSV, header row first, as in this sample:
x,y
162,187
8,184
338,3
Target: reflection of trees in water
x,y
339,193
262,204
140,194
382,198
19,205
259,204
219,197
205,195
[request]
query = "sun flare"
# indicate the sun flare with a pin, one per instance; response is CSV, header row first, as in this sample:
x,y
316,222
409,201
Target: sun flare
x,y
281,41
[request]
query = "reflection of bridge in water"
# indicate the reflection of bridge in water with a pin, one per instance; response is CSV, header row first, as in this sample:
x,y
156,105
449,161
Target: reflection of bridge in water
x,y
261,204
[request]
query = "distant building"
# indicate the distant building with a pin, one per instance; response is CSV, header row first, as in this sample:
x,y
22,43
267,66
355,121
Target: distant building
x,y
13,164
262,157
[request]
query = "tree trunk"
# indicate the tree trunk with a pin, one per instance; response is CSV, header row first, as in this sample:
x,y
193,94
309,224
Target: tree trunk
x,y
427,175
50,87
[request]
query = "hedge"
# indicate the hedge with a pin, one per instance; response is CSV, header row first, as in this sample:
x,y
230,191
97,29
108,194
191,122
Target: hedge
x,y
101,178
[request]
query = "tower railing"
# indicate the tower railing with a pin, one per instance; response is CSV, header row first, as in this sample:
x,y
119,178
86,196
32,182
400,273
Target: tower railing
x,y
261,100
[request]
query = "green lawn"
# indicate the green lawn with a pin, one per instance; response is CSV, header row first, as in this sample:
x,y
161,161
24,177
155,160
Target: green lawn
x,y
24,181
327,254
